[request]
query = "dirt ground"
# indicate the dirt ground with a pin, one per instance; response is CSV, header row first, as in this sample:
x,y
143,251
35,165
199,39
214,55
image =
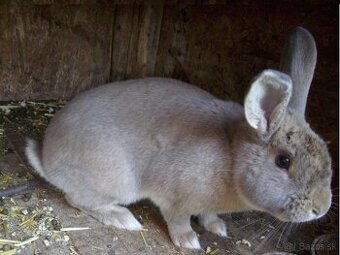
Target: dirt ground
x,y
41,221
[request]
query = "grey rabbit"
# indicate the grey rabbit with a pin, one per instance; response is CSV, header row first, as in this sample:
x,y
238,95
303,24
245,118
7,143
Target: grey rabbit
x,y
191,153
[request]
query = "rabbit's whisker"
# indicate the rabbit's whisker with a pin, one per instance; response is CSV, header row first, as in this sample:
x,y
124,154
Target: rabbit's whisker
x,y
268,228
270,237
263,229
285,226
250,223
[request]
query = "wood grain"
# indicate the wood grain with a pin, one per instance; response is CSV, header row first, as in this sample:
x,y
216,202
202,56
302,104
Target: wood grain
x,y
135,40
53,51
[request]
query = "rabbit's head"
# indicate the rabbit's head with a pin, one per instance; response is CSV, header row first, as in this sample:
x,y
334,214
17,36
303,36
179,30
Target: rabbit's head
x,y
283,167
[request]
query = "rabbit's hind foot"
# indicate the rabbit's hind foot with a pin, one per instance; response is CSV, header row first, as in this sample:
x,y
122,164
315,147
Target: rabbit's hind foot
x,y
117,216
108,213
213,223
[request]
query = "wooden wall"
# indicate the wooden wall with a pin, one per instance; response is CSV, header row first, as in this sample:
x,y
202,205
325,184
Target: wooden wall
x,y
53,49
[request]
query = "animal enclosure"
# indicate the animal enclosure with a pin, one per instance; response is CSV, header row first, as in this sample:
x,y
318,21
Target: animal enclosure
x,y
52,50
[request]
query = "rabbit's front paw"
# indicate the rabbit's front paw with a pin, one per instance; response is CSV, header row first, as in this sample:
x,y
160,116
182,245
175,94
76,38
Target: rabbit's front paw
x,y
187,240
214,224
181,232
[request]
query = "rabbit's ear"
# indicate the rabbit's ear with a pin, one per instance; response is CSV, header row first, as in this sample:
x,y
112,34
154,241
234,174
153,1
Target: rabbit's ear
x,y
267,101
298,61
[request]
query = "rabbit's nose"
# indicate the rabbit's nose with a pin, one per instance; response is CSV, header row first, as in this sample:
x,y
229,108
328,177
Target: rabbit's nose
x,y
315,213
309,215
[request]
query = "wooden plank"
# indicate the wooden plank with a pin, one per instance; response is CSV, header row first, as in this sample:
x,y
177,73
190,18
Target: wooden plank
x,y
173,43
53,51
120,41
149,38
218,48
135,40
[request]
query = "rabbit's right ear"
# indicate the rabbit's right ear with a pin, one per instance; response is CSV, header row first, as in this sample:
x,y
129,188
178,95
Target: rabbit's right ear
x,y
298,61
267,101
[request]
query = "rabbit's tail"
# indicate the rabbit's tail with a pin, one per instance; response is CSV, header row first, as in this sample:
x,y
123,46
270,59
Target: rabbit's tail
x,y
33,154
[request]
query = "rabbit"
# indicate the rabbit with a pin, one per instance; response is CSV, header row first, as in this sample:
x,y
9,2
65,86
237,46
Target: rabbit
x,y
191,153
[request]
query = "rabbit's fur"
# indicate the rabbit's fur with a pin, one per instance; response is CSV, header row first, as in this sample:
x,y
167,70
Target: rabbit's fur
x,y
190,153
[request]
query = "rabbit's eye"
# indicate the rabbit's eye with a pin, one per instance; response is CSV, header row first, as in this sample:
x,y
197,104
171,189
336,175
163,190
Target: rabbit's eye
x,y
282,161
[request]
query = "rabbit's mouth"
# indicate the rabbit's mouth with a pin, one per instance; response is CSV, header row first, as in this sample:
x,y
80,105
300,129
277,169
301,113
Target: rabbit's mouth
x,y
299,216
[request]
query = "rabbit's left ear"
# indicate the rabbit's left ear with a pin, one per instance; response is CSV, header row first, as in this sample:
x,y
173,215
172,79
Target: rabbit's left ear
x,y
267,101
298,60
